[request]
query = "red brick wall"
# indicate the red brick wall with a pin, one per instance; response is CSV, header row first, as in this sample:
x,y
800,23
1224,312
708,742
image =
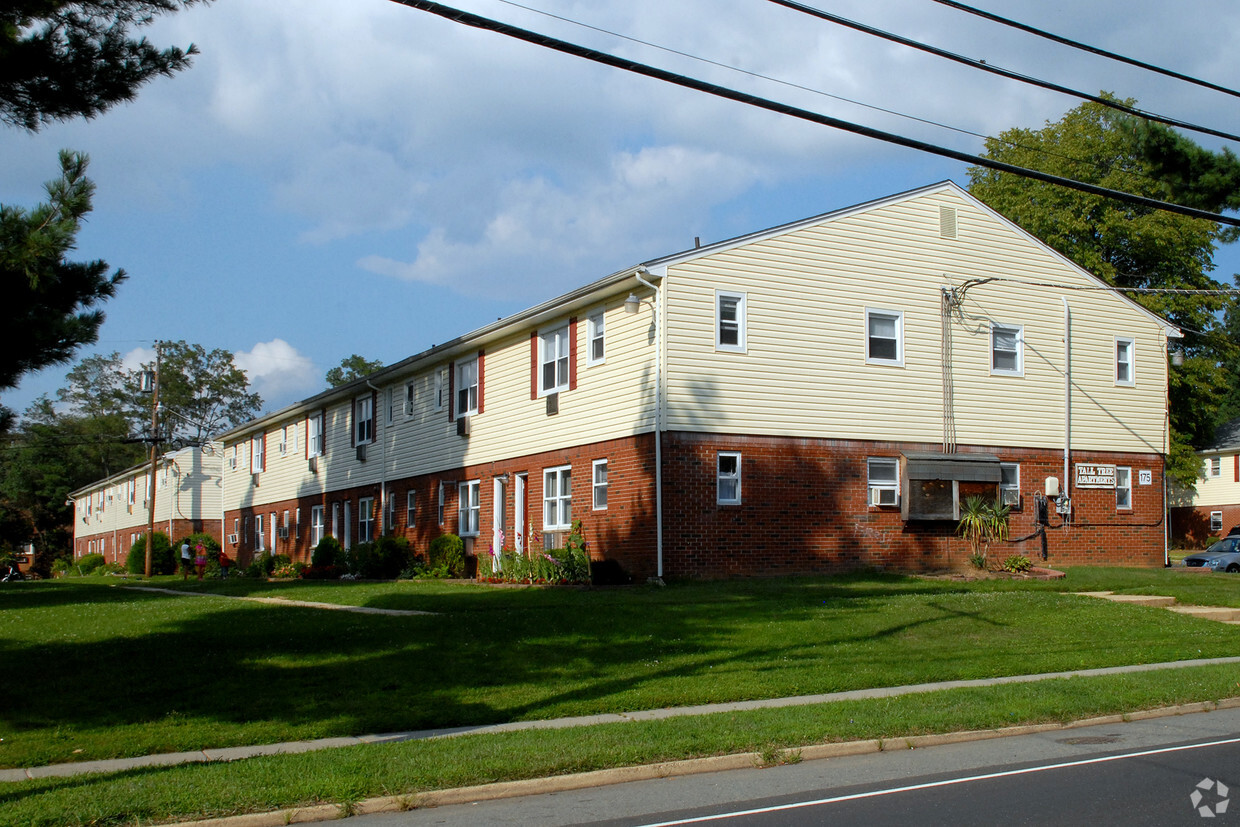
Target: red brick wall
x,y
1190,527
804,510
117,543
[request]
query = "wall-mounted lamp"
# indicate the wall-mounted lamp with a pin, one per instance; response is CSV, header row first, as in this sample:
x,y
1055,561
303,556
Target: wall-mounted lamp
x,y
1177,357
632,304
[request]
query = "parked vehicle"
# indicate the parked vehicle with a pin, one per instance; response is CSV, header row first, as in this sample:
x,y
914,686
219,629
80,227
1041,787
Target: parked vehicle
x,y
1222,556
8,574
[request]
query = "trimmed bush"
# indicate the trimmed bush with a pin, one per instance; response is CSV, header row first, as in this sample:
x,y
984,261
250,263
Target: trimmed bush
x,y
87,563
448,551
162,561
326,553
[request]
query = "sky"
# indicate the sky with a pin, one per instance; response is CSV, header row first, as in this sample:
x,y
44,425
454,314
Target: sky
x,y
333,177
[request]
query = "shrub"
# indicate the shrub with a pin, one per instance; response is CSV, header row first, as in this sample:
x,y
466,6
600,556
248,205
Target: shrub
x,y
609,573
162,561
326,553
448,550
384,559
262,565
59,566
1017,564
86,564
322,573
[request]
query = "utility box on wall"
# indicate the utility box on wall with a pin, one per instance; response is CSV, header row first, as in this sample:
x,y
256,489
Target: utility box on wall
x,y
931,482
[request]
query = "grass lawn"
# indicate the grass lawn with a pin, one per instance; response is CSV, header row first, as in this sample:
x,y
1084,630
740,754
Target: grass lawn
x,y
93,670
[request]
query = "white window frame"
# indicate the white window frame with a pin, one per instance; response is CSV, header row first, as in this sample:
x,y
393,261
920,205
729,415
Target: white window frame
x,y
728,480
897,316
1009,493
1123,488
316,437
1216,521
598,477
596,332
1125,360
1214,464
555,353
258,452
364,420
466,391
318,525
558,502
336,521
442,497
365,519
260,540
887,489
411,508
740,322
390,522
1019,331
391,403
469,514
441,388
347,542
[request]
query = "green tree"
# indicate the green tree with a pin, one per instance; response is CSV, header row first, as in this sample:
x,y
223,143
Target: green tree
x,y
1125,245
204,391
351,368
50,305
61,59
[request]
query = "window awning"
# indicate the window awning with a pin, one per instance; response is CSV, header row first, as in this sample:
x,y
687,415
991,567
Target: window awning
x,y
962,467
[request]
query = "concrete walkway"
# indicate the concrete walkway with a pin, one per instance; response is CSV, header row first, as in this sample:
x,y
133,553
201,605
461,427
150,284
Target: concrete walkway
x,y
1222,614
280,601
236,753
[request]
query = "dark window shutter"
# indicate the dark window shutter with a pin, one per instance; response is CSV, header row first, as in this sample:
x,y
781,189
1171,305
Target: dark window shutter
x,y
481,376
534,365
572,353
451,389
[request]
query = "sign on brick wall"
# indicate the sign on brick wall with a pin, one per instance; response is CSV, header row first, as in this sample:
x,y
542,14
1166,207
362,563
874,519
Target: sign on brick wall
x,y
1093,475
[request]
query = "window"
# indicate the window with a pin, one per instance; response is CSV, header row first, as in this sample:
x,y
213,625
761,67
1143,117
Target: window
x,y
317,525
391,404
1216,469
730,321
348,527
258,446
553,351
284,434
1005,350
284,524
365,519
411,508
883,481
1216,521
558,498
1123,489
1009,484
1124,369
470,507
600,484
314,434
336,520
728,478
884,337
389,525
466,388
410,392
595,337
363,420
260,541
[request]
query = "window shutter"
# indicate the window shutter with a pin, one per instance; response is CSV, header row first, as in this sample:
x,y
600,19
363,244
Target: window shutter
x,y
451,389
1237,458
307,449
481,376
353,424
534,365
572,353
374,416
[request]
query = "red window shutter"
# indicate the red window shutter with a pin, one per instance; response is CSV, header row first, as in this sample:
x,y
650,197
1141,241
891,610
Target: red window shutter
x,y
481,376
572,353
451,389
534,365
1237,459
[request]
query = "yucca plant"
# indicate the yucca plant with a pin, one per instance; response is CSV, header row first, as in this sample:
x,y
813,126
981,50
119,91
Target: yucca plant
x,y
982,523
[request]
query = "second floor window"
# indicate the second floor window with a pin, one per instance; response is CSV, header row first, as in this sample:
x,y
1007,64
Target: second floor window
x,y
884,336
467,388
364,420
258,446
1124,374
1005,349
553,353
730,321
314,438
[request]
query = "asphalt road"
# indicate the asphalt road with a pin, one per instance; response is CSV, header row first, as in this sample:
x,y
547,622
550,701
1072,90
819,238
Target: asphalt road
x,y
1144,772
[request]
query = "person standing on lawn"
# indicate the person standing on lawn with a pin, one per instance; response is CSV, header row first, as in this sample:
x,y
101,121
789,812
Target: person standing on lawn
x,y
201,560
225,562
186,562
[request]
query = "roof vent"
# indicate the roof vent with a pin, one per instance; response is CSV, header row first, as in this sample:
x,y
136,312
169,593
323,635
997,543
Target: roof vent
x,y
947,222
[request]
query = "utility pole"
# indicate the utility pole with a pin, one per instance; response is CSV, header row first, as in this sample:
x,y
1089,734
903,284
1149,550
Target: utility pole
x,y
150,494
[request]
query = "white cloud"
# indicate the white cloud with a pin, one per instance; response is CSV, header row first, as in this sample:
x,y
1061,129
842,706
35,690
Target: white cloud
x,y
278,372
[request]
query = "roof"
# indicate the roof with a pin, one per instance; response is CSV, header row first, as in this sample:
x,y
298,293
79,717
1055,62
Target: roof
x,y
141,467
1226,437
654,268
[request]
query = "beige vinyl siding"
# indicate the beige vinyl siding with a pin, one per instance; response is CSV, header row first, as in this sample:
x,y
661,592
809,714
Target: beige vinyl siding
x,y
1220,490
194,496
805,372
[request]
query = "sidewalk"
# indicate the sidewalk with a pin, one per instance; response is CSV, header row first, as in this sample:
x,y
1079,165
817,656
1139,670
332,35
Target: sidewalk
x,y
237,753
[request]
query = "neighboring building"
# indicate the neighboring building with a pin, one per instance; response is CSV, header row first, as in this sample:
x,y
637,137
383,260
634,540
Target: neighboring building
x,y
111,514
1214,509
815,397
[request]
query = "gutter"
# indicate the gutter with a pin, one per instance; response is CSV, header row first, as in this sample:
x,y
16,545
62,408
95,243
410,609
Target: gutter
x,y
383,492
658,418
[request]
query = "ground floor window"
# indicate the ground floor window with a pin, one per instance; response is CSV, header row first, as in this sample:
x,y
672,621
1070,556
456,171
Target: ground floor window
x,y
883,481
365,519
316,525
1216,520
1123,489
470,507
1009,484
600,484
558,498
728,478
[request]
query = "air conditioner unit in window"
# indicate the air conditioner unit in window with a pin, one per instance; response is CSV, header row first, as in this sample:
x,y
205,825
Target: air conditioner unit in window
x,y
553,404
462,426
232,539
882,496
314,465
361,453
408,409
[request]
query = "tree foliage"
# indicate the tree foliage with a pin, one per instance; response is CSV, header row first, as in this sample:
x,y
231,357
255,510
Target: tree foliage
x,y
205,392
50,304
351,368
61,60
1127,246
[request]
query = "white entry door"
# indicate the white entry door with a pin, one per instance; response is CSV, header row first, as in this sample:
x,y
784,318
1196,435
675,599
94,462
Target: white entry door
x,y
518,517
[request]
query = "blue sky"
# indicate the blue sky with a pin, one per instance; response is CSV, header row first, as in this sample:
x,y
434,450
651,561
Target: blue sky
x,y
333,178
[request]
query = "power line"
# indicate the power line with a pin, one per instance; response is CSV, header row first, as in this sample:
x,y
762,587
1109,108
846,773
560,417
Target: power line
x,y
1085,47
1007,73
586,53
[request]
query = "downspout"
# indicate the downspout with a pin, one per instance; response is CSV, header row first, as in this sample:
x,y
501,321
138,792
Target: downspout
x,y
1067,394
658,422
383,509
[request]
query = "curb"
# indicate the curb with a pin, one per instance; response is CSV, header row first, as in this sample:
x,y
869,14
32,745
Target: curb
x,y
673,769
